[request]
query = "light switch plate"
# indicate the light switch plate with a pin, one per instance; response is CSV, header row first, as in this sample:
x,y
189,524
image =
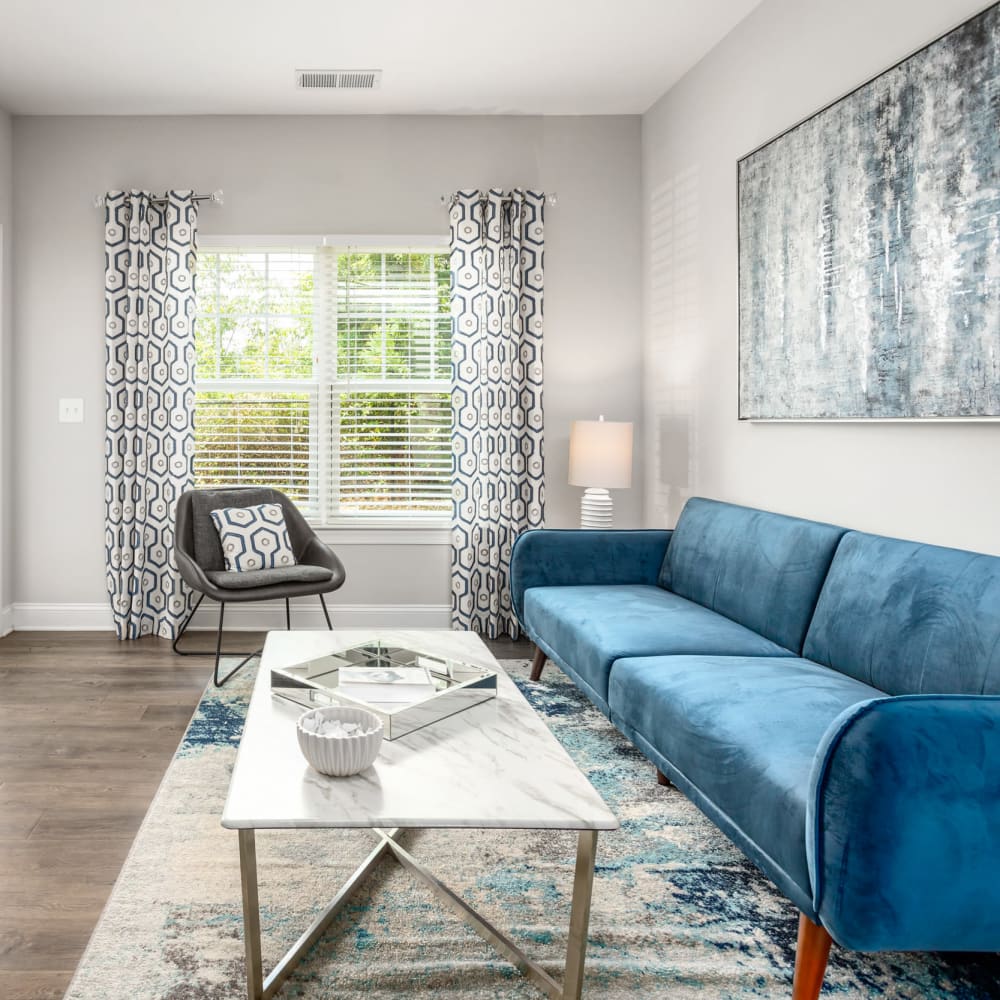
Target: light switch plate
x,y
71,411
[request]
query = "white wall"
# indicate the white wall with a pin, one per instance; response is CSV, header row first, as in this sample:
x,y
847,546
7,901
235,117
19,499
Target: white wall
x,y
305,175
6,336
929,481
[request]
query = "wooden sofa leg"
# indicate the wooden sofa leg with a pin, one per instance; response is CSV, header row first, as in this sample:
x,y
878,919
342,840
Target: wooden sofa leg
x,y
661,778
811,955
537,663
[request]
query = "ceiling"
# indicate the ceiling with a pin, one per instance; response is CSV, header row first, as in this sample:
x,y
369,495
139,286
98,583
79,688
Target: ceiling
x,y
119,57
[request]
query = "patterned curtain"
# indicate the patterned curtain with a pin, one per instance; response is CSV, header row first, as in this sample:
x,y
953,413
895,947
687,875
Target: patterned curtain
x,y
497,243
149,445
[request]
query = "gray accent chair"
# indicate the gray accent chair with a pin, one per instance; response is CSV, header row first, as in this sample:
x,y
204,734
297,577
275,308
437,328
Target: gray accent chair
x,y
202,564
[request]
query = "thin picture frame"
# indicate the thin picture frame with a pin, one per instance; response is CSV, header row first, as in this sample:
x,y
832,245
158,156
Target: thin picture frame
x,y
943,419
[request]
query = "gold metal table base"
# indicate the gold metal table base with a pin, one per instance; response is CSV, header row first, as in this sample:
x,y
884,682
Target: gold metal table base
x,y
261,988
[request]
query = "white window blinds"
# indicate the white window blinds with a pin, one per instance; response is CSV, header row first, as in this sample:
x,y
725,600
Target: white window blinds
x,y
325,372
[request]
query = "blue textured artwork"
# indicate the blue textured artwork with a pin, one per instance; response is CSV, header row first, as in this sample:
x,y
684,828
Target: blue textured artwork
x,y
870,246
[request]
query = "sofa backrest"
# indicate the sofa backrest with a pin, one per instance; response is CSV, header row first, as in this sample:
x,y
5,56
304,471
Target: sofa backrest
x,y
760,569
908,618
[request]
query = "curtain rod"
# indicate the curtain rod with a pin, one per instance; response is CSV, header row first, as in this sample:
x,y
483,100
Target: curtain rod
x,y
550,199
215,197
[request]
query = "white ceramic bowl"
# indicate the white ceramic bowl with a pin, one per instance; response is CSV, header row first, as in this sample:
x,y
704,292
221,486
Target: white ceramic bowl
x,y
340,756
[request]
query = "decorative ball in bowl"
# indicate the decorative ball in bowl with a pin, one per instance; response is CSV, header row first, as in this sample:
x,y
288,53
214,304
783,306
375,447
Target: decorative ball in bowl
x,y
339,740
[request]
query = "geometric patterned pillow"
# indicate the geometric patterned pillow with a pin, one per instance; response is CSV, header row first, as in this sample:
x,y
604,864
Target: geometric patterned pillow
x,y
254,537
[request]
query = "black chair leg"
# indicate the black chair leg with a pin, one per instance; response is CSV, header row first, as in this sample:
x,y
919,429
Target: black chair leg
x,y
183,629
326,614
247,657
218,639
218,652
288,615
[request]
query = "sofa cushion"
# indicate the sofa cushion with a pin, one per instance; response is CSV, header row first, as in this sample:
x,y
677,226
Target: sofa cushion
x,y
743,731
910,618
588,628
762,570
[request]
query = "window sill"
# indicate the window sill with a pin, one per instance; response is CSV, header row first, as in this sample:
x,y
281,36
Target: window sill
x,y
385,534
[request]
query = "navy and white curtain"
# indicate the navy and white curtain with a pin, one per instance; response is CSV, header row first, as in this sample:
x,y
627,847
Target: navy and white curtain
x,y
149,444
497,244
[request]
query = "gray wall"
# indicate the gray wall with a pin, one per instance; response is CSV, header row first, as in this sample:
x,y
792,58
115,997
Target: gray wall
x,y
305,175
6,337
935,482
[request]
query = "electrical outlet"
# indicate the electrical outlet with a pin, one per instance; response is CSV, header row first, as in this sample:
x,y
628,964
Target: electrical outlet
x,y
71,411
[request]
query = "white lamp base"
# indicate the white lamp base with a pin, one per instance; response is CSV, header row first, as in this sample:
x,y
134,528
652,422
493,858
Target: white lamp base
x,y
596,508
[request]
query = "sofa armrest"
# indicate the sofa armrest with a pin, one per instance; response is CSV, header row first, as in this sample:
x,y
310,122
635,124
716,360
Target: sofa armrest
x,y
548,557
903,825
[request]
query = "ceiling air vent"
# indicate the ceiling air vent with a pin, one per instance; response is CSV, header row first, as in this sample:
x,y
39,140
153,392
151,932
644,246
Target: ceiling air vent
x,y
338,79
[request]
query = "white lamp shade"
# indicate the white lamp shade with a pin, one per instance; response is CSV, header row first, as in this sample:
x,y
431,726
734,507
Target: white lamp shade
x,y
600,454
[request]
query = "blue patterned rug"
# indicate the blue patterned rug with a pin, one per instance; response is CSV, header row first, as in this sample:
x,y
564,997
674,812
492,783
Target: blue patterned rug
x,y
677,912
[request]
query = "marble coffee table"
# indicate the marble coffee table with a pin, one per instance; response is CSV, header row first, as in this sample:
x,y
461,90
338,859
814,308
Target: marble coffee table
x,y
494,766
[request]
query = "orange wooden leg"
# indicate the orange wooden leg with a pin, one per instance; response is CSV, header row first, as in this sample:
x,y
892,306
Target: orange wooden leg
x,y
811,956
537,663
661,778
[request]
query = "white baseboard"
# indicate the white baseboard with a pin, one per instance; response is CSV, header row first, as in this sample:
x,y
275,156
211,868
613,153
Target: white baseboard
x,y
62,617
307,613
250,617
6,620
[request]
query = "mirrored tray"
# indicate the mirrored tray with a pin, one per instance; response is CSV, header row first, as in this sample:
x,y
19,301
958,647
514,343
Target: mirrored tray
x,y
459,685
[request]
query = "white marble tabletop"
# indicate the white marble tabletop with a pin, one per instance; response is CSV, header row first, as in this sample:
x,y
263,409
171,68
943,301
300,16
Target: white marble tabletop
x,y
494,765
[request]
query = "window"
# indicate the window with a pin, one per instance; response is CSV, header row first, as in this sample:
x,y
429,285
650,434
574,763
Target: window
x,y
326,372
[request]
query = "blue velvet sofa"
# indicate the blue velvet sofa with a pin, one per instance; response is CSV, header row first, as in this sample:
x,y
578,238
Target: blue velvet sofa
x,y
830,699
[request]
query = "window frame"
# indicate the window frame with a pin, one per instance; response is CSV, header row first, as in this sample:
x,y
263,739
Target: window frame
x,y
345,529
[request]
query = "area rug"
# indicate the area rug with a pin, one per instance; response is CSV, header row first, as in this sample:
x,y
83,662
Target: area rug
x,y
677,911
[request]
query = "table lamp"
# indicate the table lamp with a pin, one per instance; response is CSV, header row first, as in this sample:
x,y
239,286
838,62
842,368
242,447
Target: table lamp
x,y
600,459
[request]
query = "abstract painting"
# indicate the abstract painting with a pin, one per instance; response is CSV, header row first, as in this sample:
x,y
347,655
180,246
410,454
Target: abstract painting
x,y
869,247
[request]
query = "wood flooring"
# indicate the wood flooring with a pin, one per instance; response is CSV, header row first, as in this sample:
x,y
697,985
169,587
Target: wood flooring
x,y
88,726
